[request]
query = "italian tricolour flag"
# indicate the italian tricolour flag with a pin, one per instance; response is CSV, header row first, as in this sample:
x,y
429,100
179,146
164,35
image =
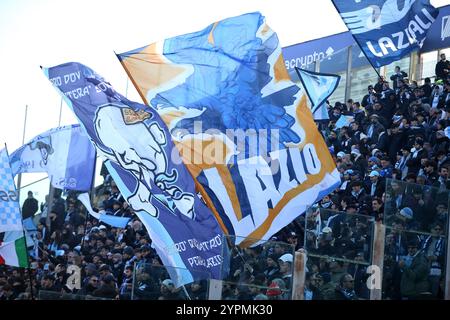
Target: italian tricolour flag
x,y
14,253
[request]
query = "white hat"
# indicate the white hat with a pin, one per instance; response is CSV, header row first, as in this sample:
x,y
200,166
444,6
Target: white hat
x,y
407,213
59,253
287,257
327,230
356,152
341,154
362,136
102,227
168,283
374,173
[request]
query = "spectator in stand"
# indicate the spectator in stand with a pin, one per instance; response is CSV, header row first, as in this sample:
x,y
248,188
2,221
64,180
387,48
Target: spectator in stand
x,y
107,288
379,85
345,289
415,271
442,68
91,286
397,77
285,262
370,98
30,206
427,88
433,248
417,154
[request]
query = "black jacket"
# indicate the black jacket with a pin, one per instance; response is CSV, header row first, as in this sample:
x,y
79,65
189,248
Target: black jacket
x,y
396,141
29,208
396,77
414,163
440,66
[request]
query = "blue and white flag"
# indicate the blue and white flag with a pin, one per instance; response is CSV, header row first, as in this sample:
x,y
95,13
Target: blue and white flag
x,y
344,121
145,164
10,216
319,87
387,30
447,132
65,153
113,221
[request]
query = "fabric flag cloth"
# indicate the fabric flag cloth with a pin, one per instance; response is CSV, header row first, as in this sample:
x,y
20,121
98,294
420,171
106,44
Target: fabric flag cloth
x,y
142,160
243,128
447,132
14,253
344,121
30,230
387,30
319,87
117,222
10,216
65,153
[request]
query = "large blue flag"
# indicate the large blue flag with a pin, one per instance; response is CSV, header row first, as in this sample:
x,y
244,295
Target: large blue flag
x,y
387,30
10,216
145,164
65,153
319,87
246,132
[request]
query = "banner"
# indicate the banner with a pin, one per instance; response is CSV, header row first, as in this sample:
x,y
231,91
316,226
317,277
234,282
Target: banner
x,y
304,55
242,126
438,36
10,216
387,30
144,163
65,153
319,87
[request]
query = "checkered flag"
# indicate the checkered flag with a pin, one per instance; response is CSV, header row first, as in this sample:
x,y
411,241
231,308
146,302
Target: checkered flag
x,y
10,216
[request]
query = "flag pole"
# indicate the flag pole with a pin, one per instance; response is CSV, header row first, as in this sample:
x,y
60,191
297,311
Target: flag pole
x,y
24,236
305,236
19,178
91,197
60,112
364,53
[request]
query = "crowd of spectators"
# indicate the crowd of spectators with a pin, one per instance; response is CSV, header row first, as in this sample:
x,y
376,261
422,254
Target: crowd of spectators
x,y
393,157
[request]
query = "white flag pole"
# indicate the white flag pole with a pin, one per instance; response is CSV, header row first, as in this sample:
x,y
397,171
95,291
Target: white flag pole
x,y
19,178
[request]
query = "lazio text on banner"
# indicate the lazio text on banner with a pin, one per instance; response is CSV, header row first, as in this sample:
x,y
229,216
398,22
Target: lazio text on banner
x,y
65,153
10,216
221,91
319,87
140,158
387,30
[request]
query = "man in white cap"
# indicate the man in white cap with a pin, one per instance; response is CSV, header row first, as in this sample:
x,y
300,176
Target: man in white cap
x,y
168,291
376,187
359,162
340,155
285,262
